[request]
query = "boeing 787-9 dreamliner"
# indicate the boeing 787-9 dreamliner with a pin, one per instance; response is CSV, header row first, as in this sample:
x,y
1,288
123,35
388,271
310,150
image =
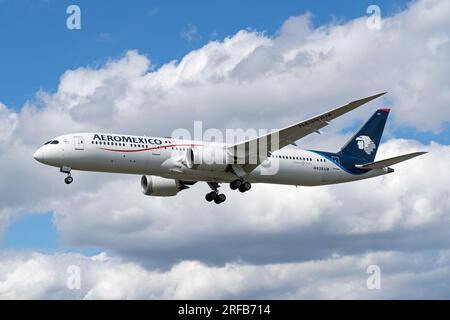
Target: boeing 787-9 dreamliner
x,y
170,165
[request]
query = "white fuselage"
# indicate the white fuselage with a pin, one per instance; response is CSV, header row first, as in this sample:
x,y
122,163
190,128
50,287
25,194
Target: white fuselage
x,y
165,157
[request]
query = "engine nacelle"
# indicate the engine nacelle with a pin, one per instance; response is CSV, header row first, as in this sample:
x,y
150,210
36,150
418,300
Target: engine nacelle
x,y
160,187
207,158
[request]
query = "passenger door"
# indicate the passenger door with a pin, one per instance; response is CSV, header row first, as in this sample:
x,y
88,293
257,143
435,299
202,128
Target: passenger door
x,y
78,142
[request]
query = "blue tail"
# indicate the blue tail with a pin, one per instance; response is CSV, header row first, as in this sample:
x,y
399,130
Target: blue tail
x,y
364,144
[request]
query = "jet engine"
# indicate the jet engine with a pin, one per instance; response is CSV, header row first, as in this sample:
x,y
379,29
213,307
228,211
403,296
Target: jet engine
x,y
161,187
207,158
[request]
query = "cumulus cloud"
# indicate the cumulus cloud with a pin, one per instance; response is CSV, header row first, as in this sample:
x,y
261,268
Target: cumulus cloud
x,y
247,80
34,276
8,122
295,223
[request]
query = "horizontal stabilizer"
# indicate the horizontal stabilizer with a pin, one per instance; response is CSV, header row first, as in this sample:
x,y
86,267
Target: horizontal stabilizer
x,y
388,162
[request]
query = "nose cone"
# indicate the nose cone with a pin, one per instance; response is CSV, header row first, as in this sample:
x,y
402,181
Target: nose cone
x,y
39,155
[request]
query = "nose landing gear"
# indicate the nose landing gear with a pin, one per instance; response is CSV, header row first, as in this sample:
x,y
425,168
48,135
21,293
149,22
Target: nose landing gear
x,y
68,179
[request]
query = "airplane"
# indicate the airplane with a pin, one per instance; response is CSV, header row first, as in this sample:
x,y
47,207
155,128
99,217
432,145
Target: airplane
x,y
169,165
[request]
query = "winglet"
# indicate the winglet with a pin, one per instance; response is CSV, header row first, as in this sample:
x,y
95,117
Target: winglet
x,y
376,95
365,100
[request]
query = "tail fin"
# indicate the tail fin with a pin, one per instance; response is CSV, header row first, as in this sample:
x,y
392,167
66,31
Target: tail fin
x,y
364,144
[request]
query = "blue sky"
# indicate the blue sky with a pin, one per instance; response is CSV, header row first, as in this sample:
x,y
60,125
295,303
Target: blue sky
x,y
37,48
37,232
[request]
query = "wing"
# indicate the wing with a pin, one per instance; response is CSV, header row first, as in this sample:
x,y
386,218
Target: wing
x,y
252,152
388,162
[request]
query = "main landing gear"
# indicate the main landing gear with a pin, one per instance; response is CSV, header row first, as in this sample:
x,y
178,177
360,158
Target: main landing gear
x,y
241,185
214,195
68,179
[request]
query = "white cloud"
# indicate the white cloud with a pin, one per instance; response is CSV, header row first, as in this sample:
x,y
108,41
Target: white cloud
x,y
190,33
34,276
359,214
247,80
8,123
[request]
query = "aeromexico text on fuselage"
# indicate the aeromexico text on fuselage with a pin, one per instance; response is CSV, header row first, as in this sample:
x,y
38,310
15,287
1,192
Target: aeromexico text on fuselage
x,y
129,139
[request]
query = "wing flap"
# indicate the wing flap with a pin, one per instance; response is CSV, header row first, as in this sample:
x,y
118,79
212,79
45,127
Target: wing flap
x,y
388,162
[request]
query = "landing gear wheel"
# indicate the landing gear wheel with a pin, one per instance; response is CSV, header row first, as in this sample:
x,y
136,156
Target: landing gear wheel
x,y
245,187
211,196
220,198
235,184
68,180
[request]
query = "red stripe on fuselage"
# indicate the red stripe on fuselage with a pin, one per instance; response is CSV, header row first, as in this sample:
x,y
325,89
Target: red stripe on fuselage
x,y
154,148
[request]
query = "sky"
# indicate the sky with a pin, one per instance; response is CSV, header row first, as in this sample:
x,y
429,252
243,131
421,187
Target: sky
x,y
36,39
255,64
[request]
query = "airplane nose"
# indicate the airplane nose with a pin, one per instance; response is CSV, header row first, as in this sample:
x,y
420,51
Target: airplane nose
x,y
39,155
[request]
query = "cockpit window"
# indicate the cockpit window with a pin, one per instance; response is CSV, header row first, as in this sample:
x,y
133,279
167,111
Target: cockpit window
x,y
55,142
48,142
